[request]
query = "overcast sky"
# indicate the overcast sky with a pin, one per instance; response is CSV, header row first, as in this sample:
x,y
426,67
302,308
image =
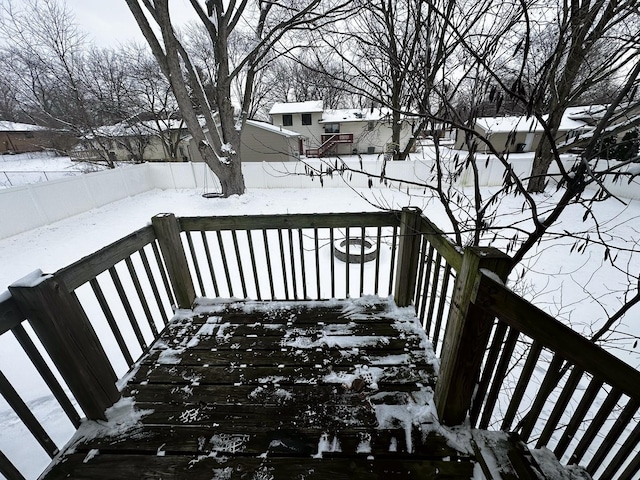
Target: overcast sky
x,y
110,23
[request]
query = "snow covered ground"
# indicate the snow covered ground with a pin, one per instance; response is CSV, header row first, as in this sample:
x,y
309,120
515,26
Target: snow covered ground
x,y
35,167
577,287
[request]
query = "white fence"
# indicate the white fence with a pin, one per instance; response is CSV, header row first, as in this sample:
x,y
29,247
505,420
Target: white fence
x,y
30,206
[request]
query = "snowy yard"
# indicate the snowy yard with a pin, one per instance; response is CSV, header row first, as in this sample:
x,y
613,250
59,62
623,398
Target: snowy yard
x,y
577,287
36,167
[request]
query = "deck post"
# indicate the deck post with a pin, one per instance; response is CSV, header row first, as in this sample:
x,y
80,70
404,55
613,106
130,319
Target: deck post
x,y
408,256
59,321
466,336
167,230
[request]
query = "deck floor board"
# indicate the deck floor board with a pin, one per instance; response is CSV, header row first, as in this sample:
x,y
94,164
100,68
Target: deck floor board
x,y
260,390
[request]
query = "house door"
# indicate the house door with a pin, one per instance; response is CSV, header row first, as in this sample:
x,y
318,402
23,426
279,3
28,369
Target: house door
x,y
300,147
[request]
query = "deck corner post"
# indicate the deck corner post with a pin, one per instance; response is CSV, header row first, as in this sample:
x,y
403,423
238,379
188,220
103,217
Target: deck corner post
x,y
65,331
408,256
466,337
167,230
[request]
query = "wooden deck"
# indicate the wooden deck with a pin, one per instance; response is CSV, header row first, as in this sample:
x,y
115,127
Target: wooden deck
x,y
296,390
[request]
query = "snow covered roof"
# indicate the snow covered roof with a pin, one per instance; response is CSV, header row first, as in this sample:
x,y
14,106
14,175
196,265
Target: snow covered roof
x,y
19,127
297,107
355,115
149,127
273,128
523,124
508,124
586,112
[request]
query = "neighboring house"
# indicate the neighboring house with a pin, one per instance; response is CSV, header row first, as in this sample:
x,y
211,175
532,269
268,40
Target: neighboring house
x,y
515,134
505,134
260,142
148,141
25,137
338,132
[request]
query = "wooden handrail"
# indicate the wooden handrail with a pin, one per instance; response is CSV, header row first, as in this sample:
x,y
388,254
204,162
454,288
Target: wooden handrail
x,y
10,315
303,220
515,311
89,267
442,243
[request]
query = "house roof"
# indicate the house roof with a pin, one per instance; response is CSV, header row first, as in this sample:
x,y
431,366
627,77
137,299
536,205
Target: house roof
x,y
149,127
273,128
19,127
508,124
571,120
587,113
355,115
311,106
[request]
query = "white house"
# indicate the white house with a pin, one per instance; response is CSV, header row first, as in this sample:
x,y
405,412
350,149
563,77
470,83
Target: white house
x,y
338,132
518,134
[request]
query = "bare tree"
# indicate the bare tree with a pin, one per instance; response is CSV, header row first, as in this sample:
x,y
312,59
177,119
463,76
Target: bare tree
x,y
54,82
481,66
586,44
219,141
44,49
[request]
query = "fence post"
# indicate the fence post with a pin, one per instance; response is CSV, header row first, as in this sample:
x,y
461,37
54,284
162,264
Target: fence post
x,y
167,230
59,321
466,336
408,256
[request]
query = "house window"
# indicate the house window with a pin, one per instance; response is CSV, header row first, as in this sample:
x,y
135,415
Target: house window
x,y
287,120
371,126
306,119
332,128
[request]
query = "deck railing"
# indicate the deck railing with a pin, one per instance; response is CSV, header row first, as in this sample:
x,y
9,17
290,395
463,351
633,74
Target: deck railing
x,y
489,340
556,388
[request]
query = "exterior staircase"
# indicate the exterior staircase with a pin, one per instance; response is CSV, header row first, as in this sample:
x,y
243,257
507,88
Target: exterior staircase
x,y
328,143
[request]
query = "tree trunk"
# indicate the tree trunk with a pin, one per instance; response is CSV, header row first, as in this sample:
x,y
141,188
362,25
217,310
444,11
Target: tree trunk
x,y
541,163
544,155
233,183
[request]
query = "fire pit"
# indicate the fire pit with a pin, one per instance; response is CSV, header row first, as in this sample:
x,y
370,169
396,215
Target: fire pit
x,y
355,248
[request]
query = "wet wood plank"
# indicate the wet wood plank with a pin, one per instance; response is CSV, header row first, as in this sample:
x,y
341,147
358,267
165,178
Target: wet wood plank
x,y
108,466
293,357
325,373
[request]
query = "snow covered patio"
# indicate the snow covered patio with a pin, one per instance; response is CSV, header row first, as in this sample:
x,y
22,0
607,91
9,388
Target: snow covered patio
x,y
492,360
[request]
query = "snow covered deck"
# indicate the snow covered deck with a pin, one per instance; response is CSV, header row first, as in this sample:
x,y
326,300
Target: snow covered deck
x,y
331,389
231,390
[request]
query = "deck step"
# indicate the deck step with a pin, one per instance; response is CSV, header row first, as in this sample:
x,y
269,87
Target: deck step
x,y
503,456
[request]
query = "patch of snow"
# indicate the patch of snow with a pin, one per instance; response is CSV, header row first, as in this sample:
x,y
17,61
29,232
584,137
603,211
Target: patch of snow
x,y
393,444
229,443
365,444
311,106
94,452
171,356
227,149
33,279
326,445
121,417
492,275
